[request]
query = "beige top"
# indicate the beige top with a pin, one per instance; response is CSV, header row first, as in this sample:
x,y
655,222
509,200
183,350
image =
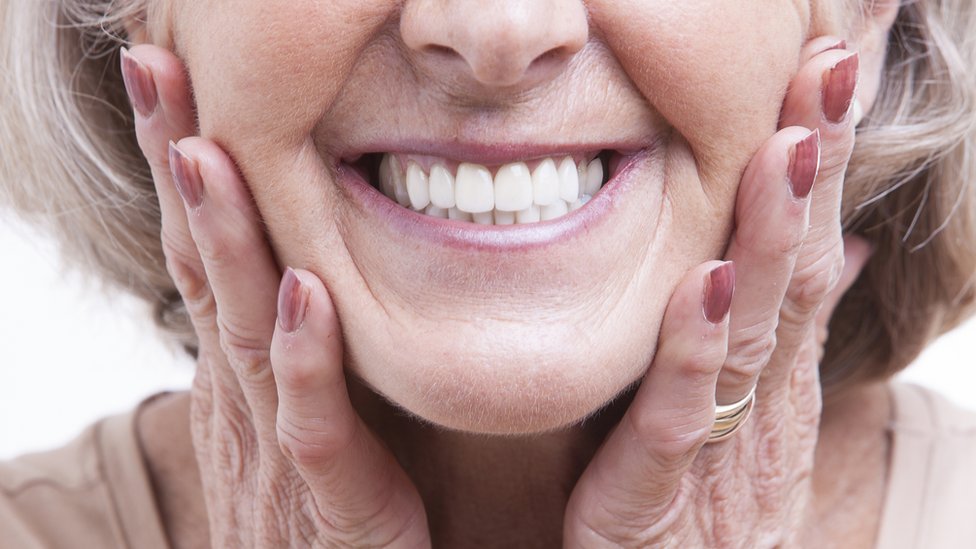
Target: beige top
x,y
96,491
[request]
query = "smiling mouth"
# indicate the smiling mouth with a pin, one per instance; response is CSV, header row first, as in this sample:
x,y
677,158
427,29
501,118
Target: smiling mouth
x,y
514,193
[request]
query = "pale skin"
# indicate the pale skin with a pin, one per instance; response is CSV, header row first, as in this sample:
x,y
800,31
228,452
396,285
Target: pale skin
x,y
277,420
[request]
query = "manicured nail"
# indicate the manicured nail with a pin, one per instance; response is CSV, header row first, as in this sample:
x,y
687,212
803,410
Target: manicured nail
x,y
804,165
858,111
139,84
186,176
838,88
719,288
839,45
292,302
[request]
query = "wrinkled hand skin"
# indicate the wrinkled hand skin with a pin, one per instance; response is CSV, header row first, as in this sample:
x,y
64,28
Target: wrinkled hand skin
x,y
655,483
287,462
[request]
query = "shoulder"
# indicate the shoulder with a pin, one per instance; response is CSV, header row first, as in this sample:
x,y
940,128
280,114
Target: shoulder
x,y
931,488
92,492
920,411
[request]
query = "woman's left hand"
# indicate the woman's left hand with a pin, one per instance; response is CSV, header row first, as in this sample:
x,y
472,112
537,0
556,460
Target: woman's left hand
x,y
654,482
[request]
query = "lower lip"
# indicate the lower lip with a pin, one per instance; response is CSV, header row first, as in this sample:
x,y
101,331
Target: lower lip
x,y
490,238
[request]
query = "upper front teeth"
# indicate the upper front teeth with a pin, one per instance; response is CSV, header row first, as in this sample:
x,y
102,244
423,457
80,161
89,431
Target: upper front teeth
x,y
515,194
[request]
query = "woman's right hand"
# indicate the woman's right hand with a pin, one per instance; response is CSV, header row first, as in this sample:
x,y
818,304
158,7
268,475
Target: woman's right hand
x,y
285,460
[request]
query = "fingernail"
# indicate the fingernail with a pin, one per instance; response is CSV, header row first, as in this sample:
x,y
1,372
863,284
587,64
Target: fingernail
x,y
292,302
838,88
804,165
186,176
718,292
858,111
839,45
139,84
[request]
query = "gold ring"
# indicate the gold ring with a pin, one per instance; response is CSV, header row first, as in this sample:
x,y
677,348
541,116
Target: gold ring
x,y
730,417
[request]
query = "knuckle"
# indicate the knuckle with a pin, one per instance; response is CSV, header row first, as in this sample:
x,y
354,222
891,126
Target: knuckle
x,y
812,283
192,286
704,362
238,340
671,441
216,251
761,239
295,375
788,244
247,353
749,353
311,443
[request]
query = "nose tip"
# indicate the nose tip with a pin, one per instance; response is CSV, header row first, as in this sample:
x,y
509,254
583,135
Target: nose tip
x,y
499,43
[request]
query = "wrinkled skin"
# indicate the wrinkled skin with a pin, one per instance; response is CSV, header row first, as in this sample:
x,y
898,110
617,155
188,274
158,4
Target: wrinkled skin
x,y
273,422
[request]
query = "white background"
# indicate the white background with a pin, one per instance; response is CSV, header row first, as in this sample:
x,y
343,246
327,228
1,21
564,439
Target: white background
x,y
70,355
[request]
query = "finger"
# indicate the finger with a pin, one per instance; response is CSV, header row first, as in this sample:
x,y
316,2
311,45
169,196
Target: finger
x,y
163,110
633,478
240,270
857,251
819,45
821,95
357,484
771,215
159,92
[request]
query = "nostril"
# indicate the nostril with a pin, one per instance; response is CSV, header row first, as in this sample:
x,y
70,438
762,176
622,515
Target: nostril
x,y
551,59
439,50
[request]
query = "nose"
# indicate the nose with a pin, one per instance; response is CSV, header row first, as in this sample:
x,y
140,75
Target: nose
x,y
497,43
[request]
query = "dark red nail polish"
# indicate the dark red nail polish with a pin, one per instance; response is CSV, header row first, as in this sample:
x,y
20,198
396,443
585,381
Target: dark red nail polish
x,y
838,88
186,176
719,287
139,84
804,165
292,302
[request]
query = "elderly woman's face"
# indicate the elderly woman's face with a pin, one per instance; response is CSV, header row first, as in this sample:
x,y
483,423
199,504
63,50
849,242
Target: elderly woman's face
x,y
502,328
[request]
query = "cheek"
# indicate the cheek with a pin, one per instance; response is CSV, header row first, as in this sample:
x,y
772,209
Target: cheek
x,y
266,70
263,73
717,71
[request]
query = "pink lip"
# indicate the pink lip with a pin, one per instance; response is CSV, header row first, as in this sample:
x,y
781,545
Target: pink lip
x,y
488,154
490,238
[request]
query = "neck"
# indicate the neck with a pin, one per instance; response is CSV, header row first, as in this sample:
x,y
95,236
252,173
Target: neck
x,y
513,490
483,487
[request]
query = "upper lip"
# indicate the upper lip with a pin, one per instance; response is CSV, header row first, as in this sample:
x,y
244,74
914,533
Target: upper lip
x,y
490,153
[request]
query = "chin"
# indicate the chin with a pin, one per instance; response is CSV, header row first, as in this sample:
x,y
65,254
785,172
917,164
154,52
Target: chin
x,y
503,379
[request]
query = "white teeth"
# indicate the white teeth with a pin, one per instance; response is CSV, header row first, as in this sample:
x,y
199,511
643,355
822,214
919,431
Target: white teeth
x,y
514,195
554,210
417,186
513,187
545,183
594,177
456,214
399,185
483,218
579,203
434,211
528,215
441,187
569,182
504,218
474,189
